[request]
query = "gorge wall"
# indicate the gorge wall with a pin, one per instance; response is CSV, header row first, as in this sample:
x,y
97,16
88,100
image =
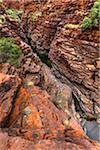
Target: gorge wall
x,y
50,107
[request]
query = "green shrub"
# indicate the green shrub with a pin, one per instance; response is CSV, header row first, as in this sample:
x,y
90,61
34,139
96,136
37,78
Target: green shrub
x,y
95,13
14,13
93,18
10,52
87,23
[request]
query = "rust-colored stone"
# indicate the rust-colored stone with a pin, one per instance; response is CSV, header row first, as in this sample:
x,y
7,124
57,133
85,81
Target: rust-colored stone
x,y
41,113
8,88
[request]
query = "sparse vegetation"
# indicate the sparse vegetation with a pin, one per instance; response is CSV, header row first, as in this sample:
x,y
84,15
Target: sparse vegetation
x,y
93,18
13,13
10,52
89,21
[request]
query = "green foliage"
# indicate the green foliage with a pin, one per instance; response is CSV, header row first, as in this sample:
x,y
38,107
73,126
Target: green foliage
x,y
87,23
10,52
93,18
14,13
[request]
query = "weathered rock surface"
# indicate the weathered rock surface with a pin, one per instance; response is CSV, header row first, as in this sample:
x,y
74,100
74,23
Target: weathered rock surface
x,y
10,143
74,60
8,89
16,4
42,29
38,110
68,48
35,117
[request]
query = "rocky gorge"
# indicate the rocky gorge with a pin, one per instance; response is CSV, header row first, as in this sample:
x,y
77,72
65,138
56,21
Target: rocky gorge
x,y
49,97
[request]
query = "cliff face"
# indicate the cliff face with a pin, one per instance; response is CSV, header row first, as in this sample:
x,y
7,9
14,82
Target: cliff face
x,y
42,107
74,53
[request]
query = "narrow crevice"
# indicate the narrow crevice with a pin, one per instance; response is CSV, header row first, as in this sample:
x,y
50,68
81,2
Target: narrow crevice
x,y
43,57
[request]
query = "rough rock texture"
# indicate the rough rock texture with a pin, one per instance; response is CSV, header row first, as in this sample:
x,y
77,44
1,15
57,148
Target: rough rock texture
x,y
17,4
77,58
42,30
73,58
34,117
74,53
8,89
10,143
39,110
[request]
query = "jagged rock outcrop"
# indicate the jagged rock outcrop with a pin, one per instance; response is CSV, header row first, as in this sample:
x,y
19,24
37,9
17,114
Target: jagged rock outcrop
x,y
10,143
41,25
77,59
69,48
16,4
34,117
43,108
76,55
8,90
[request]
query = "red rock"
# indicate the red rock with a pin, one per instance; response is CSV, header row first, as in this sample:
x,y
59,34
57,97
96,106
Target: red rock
x,y
57,145
16,4
73,58
69,49
43,116
14,143
8,88
8,69
35,117
10,143
35,111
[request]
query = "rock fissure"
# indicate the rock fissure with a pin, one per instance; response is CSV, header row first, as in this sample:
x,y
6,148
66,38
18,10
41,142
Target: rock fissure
x,y
51,101
43,57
